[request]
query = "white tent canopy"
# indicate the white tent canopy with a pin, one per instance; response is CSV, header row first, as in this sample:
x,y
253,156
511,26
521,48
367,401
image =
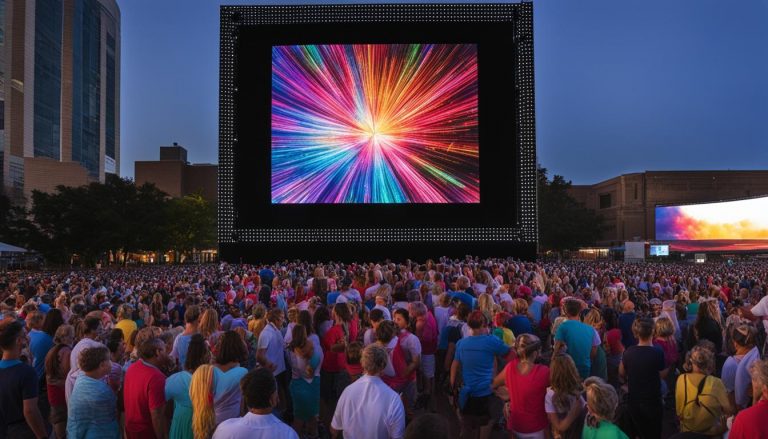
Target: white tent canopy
x,y
7,248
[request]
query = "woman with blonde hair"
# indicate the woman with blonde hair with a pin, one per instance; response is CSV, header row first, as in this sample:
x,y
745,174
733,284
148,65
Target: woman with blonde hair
x,y
563,402
209,326
599,367
526,384
664,337
487,306
293,320
436,291
701,400
520,323
602,401
201,396
178,388
258,320
215,390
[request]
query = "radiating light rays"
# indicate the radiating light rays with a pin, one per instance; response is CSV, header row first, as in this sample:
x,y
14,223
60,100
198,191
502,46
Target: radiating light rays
x,y
375,123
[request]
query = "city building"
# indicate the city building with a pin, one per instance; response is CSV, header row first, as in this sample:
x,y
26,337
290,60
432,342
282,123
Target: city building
x,y
174,175
59,93
627,203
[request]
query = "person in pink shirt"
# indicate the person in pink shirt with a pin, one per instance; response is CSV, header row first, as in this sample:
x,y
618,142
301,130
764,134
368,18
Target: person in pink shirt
x,y
425,327
664,337
527,384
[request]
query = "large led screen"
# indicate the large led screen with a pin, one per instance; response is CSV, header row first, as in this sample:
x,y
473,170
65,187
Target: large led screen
x,y
375,124
730,225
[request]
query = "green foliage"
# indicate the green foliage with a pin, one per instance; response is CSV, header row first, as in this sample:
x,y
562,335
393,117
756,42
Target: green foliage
x,y
15,228
194,223
114,217
564,224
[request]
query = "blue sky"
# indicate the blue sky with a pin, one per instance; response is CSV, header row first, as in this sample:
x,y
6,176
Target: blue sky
x,y
621,86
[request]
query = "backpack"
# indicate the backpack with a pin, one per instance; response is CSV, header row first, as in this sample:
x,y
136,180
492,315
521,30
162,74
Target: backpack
x,y
428,335
694,410
399,364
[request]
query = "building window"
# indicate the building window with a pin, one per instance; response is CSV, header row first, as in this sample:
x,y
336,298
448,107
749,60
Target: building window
x,y
47,100
111,94
86,85
605,201
635,191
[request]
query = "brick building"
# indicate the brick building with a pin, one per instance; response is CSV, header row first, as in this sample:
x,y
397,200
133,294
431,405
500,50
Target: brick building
x,y
175,176
627,202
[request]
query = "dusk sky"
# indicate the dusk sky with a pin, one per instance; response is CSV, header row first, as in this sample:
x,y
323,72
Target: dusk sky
x,y
621,86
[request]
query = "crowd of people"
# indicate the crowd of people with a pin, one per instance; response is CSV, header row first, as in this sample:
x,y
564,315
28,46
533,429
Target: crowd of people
x,y
558,350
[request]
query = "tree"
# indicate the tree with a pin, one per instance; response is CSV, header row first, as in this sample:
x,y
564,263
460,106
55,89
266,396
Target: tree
x,y
192,223
564,223
15,228
97,219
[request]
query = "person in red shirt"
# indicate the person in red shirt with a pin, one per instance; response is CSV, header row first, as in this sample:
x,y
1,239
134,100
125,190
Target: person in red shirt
x,y
527,384
750,423
333,373
144,393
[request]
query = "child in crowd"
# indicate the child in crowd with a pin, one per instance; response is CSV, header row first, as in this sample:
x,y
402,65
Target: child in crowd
x,y
354,352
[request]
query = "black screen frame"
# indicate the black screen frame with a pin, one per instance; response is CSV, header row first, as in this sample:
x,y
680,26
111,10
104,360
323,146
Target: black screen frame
x,y
499,204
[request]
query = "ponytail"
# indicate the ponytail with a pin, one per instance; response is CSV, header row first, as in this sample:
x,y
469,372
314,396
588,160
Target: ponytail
x,y
201,393
526,345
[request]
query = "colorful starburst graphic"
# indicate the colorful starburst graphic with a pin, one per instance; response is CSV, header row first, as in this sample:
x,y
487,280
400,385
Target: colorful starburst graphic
x,y
375,123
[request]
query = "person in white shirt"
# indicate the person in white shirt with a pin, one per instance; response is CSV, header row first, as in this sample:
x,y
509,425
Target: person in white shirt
x,y
382,416
376,316
758,312
260,394
271,344
370,292
270,353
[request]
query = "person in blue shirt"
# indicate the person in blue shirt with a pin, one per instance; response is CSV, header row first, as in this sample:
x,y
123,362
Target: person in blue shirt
x,y
474,360
19,387
536,307
92,407
520,323
626,318
464,297
267,275
181,343
39,341
177,388
577,339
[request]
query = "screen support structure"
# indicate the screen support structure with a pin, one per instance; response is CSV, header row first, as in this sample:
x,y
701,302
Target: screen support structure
x,y
250,244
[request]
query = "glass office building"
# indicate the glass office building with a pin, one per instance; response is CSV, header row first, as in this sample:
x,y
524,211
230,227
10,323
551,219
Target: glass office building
x,y
59,92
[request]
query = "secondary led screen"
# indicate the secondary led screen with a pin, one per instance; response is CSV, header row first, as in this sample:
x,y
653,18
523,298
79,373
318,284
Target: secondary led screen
x,y
375,123
731,220
659,250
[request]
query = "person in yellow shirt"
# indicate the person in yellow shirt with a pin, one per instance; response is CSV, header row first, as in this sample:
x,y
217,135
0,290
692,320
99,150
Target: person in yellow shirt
x,y
505,334
126,324
701,400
